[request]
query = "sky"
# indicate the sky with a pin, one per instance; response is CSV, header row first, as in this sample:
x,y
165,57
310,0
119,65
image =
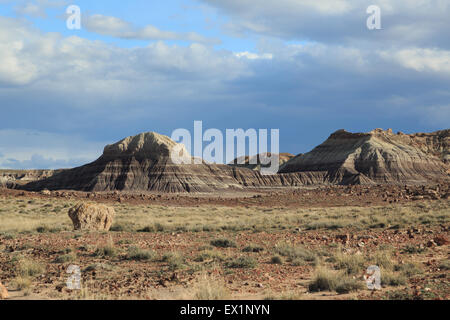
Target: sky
x,y
305,67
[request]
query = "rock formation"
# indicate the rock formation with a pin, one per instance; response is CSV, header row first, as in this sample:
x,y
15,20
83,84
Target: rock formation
x,y
254,163
11,178
87,216
376,157
144,163
141,162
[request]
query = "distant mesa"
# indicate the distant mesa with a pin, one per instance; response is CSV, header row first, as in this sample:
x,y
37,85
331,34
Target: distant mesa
x,y
260,160
143,163
377,157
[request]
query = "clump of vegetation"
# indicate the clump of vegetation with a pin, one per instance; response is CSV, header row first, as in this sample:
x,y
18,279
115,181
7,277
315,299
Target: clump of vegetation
x,y
147,229
65,258
210,289
27,268
409,269
21,283
276,260
120,227
106,251
298,255
412,249
324,280
209,255
223,243
253,248
392,279
138,254
243,262
383,259
175,260
327,224
46,229
328,280
347,285
352,264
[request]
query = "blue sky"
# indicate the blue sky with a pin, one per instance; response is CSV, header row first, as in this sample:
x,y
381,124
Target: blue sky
x,y
305,67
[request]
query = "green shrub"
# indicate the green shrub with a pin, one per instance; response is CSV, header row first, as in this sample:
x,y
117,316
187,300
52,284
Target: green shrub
x,y
253,248
298,255
65,258
352,264
175,260
137,254
243,262
392,279
106,251
324,280
347,285
223,243
276,260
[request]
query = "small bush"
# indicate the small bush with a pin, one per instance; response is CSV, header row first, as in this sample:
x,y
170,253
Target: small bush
x,y
209,255
147,229
21,283
351,264
324,280
347,285
210,289
65,258
106,251
383,259
118,227
276,260
124,241
242,262
28,268
138,254
223,243
412,249
392,279
298,255
409,269
253,248
175,260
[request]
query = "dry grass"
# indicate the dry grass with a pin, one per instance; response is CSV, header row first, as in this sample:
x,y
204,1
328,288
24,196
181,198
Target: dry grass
x,y
17,215
209,288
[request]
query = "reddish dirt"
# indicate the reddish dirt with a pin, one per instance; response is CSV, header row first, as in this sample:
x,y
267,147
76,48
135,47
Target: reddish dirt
x,y
332,196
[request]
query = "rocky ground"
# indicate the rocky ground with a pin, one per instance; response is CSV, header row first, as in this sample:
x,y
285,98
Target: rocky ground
x,y
265,244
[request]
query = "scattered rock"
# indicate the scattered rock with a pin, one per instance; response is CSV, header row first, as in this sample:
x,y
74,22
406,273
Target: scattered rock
x,y
46,192
88,216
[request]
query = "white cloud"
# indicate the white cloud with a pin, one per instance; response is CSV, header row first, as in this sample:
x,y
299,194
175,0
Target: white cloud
x,y
116,27
254,56
420,59
419,23
32,10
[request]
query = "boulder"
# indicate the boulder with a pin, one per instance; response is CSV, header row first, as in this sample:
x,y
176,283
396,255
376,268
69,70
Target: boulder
x,y
89,216
3,292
